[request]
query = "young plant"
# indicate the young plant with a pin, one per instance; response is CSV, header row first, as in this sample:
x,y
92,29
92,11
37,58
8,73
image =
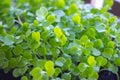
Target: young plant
x,y
57,39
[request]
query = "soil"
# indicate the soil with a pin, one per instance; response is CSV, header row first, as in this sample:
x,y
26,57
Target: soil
x,y
116,9
107,75
7,76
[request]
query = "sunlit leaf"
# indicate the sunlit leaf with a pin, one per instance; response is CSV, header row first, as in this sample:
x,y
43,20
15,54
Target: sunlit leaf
x,y
91,61
76,19
49,66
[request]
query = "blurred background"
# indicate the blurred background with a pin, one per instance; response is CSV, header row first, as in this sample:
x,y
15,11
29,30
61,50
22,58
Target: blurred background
x,y
115,8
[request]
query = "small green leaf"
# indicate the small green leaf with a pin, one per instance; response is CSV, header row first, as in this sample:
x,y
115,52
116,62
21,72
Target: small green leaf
x,y
67,64
22,70
108,4
96,52
57,71
91,61
101,61
76,19
8,39
35,23
19,71
60,61
42,12
18,50
63,39
100,27
66,76
49,67
83,40
12,63
34,45
25,26
58,32
42,50
98,43
117,61
86,51
16,73
60,3
36,36
110,44
89,45
82,67
24,78
88,72
22,61
36,73
41,63
72,9
108,52
51,19
113,68
91,33
27,54
93,76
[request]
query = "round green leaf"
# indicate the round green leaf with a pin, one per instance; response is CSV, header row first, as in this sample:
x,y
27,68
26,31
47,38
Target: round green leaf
x,y
60,61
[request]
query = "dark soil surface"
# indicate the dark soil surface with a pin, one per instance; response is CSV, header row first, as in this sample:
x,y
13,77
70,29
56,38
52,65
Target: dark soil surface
x,y
7,76
107,75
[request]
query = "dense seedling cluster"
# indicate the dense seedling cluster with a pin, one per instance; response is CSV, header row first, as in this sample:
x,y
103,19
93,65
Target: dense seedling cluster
x,y
57,39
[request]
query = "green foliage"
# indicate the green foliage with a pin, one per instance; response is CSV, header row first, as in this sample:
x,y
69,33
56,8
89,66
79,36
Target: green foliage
x,y
5,5
57,39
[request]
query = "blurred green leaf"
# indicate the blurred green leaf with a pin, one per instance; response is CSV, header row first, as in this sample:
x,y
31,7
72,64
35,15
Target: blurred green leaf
x,y
91,61
66,76
101,61
49,66
82,67
96,52
36,73
60,61
117,61
18,50
24,78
